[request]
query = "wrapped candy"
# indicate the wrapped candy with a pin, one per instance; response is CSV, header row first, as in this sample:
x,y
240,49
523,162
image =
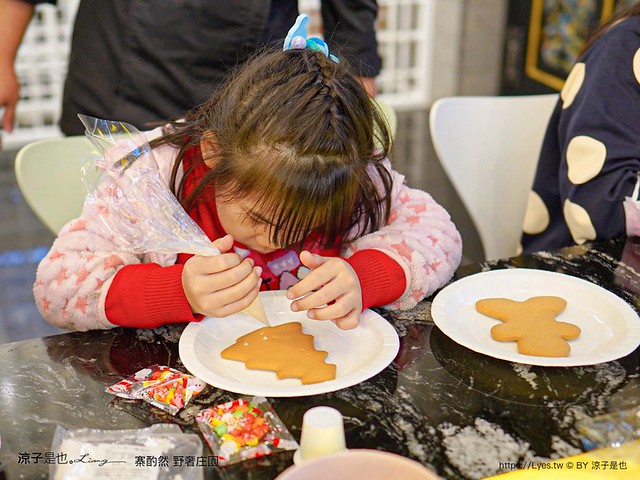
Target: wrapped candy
x,y
243,429
161,386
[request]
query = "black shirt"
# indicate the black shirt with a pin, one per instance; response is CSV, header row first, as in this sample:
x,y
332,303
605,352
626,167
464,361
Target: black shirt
x,y
148,61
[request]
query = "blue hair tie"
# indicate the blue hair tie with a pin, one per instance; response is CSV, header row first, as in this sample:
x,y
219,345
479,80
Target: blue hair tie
x,y
297,39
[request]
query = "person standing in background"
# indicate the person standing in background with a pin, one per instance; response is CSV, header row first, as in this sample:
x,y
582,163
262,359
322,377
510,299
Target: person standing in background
x,y
145,62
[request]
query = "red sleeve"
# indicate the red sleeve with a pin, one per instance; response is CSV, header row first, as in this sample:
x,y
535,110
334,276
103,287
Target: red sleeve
x,y
148,296
381,278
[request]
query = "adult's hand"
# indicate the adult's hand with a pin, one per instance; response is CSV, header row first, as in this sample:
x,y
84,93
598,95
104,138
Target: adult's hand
x,y
369,85
9,95
14,19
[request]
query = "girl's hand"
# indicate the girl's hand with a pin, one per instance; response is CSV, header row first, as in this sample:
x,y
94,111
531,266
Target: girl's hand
x,y
220,285
332,291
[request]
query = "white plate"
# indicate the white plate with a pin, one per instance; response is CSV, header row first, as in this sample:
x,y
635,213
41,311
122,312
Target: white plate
x,y
610,327
359,354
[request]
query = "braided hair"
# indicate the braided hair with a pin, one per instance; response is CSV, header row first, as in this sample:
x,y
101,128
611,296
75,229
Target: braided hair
x,y
298,134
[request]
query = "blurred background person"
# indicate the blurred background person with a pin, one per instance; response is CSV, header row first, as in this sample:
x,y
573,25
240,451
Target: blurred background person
x,y
587,181
145,62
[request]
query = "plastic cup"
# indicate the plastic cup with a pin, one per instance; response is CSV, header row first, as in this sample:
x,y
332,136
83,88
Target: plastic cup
x,y
322,434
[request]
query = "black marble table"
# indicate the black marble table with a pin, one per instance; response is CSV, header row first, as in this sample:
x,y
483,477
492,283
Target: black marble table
x,y
461,413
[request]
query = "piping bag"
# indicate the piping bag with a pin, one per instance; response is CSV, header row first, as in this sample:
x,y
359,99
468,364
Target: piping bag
x,y
150,217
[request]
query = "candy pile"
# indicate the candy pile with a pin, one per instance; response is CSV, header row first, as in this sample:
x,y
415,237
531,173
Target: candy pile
x,y
244,429
161,386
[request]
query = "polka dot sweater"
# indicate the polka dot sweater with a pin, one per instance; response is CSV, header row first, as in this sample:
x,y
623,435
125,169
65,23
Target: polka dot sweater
x,y
590,156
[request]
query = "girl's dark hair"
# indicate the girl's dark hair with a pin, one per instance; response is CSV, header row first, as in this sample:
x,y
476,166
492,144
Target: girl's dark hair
x,y
632,11
297,133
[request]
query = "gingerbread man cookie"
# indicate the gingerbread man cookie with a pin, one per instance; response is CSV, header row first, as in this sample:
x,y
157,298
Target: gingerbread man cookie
x,y
532,324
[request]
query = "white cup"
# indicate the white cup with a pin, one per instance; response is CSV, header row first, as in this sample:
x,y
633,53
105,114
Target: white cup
x,y
322,434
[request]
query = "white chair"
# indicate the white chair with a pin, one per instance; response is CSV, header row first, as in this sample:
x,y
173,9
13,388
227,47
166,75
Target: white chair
x,y
489,147
50,176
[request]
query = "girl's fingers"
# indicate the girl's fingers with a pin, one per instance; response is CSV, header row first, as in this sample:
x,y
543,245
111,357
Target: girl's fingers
x,y
224,244
237,305
211,283
314,281
328,293
225,301
312,260
321,273
200,265
348,322
231,277
339,309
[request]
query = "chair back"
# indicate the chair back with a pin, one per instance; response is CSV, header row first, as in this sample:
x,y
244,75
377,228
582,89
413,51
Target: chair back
x,y
50,175
389,114
489,148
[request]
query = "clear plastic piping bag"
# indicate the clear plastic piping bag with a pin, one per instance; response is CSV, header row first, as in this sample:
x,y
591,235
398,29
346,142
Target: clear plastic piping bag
x,y
150,217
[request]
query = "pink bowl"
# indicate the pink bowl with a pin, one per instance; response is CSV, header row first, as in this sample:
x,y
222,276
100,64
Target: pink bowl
x,y
359,464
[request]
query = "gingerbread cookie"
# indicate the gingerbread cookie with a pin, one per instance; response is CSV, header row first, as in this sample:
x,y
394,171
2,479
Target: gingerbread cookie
x,y
532,324
283,349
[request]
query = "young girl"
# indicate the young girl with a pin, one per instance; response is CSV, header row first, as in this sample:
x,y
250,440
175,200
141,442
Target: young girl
x,y
285,169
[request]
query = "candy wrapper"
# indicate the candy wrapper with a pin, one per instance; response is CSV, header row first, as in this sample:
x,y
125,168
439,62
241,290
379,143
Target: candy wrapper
x,y
162,387
610,430
243,429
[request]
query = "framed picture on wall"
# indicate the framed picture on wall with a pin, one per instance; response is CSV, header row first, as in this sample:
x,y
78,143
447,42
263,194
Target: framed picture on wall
x,y
544,39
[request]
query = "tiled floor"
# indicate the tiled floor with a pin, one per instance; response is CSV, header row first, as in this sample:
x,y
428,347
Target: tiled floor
x,y
24,240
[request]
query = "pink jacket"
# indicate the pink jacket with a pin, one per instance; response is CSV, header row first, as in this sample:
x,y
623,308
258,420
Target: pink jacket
x,y
73,280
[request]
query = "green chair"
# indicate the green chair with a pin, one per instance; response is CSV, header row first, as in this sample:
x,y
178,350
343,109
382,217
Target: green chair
x,y
389,114
50,176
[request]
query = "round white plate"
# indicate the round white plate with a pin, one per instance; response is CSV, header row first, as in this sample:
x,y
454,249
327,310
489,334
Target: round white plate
x,y
610,327
359,354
